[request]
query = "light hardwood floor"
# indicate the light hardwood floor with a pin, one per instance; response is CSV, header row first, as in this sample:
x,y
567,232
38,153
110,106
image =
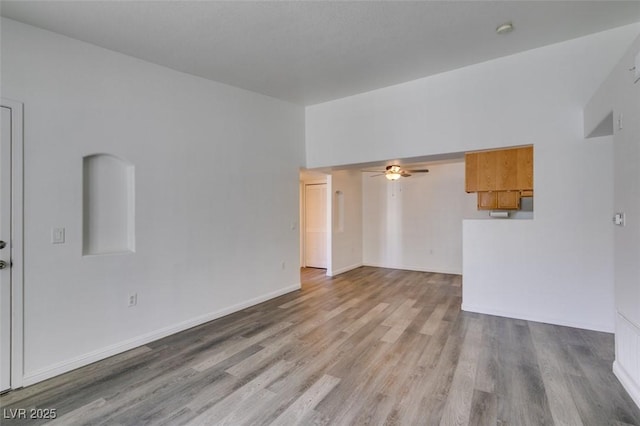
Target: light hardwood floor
x,y
371,346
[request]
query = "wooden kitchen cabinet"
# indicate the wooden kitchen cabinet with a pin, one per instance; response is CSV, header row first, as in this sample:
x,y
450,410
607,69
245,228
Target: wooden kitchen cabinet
x,y
471,172
487,200
487,171
525,168
508,200
499,170
500,177
506,169
504,200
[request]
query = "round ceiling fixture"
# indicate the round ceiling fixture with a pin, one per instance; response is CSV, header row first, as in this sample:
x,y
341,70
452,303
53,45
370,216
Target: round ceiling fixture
x,y
393,172
505,28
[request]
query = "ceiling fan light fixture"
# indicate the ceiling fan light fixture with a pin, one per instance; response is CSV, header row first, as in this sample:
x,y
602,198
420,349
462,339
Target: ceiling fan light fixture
x,y
393,176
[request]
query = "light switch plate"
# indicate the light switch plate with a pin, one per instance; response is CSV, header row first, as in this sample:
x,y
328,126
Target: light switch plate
x,y
57,236
618,219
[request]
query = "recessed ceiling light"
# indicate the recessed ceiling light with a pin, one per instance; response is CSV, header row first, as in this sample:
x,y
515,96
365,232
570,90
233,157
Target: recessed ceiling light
x,y
505,28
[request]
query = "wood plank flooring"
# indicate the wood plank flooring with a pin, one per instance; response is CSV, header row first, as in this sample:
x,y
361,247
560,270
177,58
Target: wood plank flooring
x,y
371,346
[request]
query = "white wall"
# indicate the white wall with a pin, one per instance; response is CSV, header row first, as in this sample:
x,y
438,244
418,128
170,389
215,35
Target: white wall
x,y
556,268
346,222
416,223
216,172
619,95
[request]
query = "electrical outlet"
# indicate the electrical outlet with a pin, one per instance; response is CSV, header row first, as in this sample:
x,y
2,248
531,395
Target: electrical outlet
x,y
57,236
133,299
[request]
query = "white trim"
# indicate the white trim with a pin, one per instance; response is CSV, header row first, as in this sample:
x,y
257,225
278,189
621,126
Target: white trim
x,y
554,321
343,270
77,362
329,225
302,226
627,382
303,222
17,236
413,268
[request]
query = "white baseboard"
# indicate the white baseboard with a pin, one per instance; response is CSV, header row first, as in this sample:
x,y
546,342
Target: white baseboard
x,y
100,354
339,271
414,268
632,388
554,321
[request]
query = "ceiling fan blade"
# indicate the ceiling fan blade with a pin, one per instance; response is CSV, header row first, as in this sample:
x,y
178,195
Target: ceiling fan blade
x,y
379,174
418,171
405,174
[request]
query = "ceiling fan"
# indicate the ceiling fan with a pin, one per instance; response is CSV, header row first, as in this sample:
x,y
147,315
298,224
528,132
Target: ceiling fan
x,y
395,172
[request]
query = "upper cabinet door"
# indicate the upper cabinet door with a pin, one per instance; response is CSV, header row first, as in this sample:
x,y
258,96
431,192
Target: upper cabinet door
x,y
508,200
525,168
471,171
487,200
506,169
487,171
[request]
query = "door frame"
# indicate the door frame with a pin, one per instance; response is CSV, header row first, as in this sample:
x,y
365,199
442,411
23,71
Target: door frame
x,y
17,238
303,222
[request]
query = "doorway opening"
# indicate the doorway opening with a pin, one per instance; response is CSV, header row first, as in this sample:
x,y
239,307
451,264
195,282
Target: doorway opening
x,y
314,220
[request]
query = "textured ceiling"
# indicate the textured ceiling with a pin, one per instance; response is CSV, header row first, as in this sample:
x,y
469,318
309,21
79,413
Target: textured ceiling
x,y
310,52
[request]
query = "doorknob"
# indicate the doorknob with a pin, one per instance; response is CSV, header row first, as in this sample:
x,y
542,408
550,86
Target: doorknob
x,y
3,264
2,244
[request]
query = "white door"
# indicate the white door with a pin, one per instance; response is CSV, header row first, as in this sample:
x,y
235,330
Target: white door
x,y
5,250
315,219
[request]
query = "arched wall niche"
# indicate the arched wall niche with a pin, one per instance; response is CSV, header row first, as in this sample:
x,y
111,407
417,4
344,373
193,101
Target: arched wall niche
x,y
108,205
